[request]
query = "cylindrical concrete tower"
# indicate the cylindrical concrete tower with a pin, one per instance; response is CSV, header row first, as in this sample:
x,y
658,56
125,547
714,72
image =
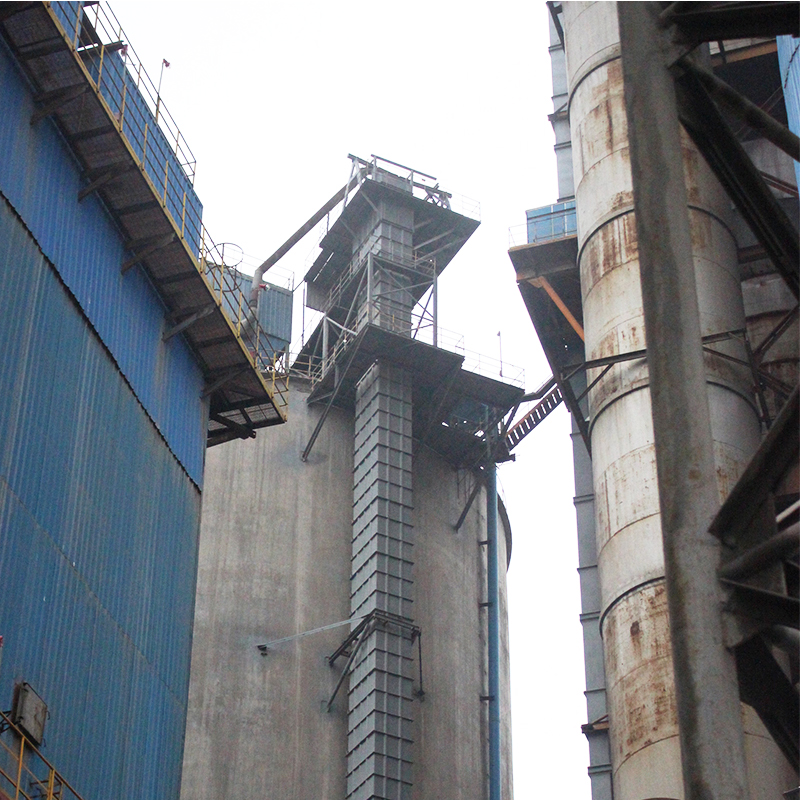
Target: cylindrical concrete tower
x,y
634,615
334,543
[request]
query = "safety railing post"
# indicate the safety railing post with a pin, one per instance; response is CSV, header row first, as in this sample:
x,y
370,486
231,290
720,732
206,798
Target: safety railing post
x,y
183,216
122,105
100,70
19,766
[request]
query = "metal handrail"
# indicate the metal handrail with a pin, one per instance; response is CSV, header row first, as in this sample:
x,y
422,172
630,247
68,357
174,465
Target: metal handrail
x,y
121,83
18,774
316,366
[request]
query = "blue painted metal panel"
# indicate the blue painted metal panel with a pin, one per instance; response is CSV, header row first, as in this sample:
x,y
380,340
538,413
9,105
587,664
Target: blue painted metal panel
x,y
789,60
274,312
41,180
98,543
67,14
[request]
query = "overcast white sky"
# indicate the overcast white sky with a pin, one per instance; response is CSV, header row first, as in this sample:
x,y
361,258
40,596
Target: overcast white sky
x,y
272,97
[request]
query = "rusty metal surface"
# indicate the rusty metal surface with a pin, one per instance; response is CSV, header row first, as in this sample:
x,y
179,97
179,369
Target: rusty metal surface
x,y
642,710
629,522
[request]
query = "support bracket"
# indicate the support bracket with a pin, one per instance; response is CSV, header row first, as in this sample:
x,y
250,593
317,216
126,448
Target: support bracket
x,y
241,431
351,645
142,249
52,101
190,320
99,178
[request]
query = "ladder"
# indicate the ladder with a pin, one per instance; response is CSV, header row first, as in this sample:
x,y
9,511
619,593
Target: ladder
x,y
518,431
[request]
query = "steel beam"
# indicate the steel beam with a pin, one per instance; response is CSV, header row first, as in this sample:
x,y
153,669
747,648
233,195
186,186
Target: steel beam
x,y
751,114
240,430
765,687
146,250
769,465
740,178
190,320
711,22
709,716
52,101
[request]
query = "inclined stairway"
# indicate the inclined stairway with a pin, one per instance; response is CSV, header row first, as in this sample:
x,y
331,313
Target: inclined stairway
x,y
519,430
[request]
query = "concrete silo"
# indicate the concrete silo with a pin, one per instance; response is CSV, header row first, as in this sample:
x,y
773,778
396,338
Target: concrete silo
x,y
745,308
352,546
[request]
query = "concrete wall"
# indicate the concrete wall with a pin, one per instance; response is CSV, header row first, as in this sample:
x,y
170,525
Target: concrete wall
x,y
275,558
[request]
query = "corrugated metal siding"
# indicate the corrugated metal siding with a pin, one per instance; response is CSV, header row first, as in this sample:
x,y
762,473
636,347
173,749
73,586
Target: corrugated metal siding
x,y
41,180
789,60
274,311
98,543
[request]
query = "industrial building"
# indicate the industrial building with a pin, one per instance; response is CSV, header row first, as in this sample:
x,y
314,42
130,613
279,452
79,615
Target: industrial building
x,y
350,637
119,367
663,288
343,603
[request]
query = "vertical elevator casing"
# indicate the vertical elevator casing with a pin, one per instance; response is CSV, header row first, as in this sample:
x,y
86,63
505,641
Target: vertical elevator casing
x,y
634,614
379,737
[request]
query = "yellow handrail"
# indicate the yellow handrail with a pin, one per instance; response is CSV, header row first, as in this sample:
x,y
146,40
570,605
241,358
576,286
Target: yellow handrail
x,y
33,773
107,38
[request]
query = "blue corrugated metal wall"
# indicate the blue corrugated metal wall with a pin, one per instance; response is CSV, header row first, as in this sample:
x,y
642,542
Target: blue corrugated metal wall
x,y
41,181
274,312
98,543
789,60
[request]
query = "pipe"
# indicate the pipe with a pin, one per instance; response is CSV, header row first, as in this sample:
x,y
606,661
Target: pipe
x,y
763,555
493,599
295,238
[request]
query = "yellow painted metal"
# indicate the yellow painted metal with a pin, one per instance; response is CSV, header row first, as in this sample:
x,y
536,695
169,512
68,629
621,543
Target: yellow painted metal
x,y
220,283
543,283
31,767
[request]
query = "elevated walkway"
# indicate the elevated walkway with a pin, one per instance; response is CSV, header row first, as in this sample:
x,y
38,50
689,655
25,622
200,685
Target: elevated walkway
x,y
87,79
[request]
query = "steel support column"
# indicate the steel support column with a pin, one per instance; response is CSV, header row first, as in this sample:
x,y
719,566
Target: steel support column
x,y
493,600
709,715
